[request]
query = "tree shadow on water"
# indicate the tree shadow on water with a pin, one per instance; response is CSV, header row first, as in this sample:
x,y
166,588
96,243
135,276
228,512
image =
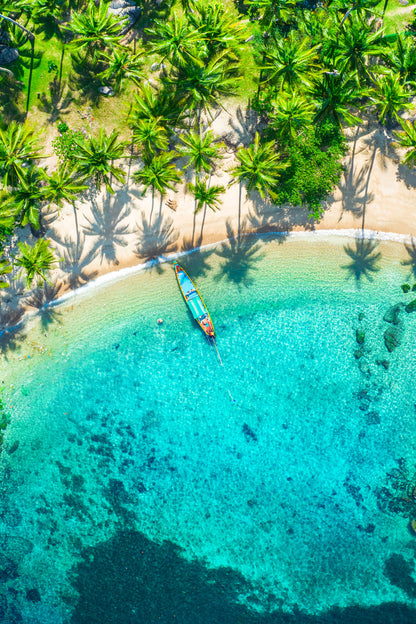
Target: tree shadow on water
x,y
41,298
364,259
411,261
240,255
197,261
131,580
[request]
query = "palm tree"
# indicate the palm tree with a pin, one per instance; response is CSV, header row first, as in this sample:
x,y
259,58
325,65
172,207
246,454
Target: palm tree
x,y
95,156
95,29
401,58
291,62
362,7
153,104
5,268
159,173
202,84
174,40
206,195
334,95
355,45
19,144
36,261
151,135
259,167
62,186
28,197
291,113
122,65
201,151
218,27
407,138
47,15
271,12
8,212
390,97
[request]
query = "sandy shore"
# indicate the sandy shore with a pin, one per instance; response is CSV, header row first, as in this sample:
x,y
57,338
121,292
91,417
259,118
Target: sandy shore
x,y
108,232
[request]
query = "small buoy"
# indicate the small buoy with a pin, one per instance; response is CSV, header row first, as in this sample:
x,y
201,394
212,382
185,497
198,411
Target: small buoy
x,y
159,321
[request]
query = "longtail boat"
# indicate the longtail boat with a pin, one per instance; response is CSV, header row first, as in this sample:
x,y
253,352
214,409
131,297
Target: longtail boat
x,y
194,300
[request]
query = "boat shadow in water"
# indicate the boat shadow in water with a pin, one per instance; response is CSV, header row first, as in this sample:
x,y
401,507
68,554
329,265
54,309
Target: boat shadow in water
x,y
240,254
130,579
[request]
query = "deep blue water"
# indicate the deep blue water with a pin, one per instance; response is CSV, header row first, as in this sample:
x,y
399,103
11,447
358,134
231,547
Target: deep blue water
x,y
151,484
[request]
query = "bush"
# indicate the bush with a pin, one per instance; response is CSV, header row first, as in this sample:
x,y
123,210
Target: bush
x,y
65,145
315,168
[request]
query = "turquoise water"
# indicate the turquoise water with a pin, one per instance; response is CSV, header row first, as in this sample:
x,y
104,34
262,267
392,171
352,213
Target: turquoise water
x,y
150,484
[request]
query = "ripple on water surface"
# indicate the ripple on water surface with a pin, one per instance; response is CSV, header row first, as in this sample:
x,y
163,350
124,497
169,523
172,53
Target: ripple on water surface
x,y
140,492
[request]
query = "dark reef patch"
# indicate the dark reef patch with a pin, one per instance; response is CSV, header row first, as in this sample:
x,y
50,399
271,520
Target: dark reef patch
x,y
132,580
399,572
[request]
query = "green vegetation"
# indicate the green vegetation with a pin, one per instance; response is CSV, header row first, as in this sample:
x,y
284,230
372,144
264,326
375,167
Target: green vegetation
x,y
305,73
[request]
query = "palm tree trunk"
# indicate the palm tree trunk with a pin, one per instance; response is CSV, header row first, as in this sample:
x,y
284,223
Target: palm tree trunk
x,y
61,67
239,210
153,203
31,38
76,226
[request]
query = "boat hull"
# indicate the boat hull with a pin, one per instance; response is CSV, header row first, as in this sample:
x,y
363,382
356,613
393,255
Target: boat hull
x,y
194,301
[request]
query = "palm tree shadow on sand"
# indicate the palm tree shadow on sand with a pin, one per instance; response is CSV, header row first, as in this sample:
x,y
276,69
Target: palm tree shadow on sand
x,y
156,238
240,255
364,259
411,261
265,217
106,227
75,262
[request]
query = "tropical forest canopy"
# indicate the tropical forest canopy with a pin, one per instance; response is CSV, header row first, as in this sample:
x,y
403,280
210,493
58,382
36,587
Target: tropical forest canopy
x,y
152,77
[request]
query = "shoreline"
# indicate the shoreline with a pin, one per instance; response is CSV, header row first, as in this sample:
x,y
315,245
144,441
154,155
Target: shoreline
x,y
109,276
104,237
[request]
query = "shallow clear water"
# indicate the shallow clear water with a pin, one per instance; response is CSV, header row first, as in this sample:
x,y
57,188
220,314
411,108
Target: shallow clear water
x,y
151,484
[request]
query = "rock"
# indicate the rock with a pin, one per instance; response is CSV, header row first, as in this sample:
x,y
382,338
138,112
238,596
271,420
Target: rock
x,y
8,55
360,336
358,353
384,363
412,527
361,316
414,287
13,447
392,314
249,433
404,2
373,418
392,337
405,288
106,90
411,307
33,595
4,38
154,67
125,9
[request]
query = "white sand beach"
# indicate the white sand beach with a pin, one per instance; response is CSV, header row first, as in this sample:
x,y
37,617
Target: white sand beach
x,y
109,232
